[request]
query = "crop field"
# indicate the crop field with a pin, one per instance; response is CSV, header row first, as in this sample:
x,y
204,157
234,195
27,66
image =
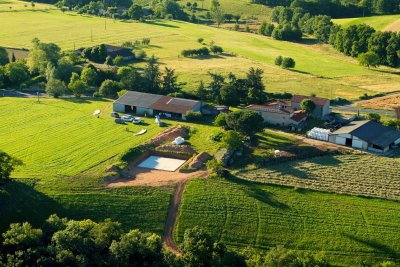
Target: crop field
x,y
319,68
65,151
380,23
346,174
242,213
384,102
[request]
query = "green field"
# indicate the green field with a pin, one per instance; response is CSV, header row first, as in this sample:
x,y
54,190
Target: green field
x,y
21,6
243,214
319,68
65,151
377,22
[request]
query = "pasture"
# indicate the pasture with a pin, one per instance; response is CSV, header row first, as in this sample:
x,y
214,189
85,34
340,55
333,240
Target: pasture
x,y
241,213
66,150
379,23
319,68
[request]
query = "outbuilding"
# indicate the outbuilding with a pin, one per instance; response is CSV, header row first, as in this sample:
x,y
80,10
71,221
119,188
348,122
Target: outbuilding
x,y
151,104
366,135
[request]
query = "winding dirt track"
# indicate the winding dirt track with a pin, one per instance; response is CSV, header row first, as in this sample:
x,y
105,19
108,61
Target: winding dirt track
x,y
173,210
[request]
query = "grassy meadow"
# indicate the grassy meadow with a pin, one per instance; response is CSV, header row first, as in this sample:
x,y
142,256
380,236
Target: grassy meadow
x,y
240,213
21,6
65,151
319,68
379,23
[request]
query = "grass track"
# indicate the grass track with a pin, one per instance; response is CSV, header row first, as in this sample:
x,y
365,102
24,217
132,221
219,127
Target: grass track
x,y
377,22
245,213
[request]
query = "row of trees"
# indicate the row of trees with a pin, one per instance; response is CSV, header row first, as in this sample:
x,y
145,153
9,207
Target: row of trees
x,y
352,41
233,91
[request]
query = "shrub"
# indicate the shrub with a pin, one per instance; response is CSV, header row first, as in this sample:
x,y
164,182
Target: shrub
x,y
109,88
278,60
118,60
215,49
140,54
55,88
195,52
288,63
193,116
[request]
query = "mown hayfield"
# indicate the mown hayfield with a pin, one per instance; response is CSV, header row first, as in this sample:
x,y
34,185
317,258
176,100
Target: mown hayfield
x,y
378,22
65,151
17,6
319,68
245,214
359,174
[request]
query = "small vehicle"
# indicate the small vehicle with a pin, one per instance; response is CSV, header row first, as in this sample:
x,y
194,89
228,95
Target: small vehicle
x,y
119,121
136,120
114,115
127,118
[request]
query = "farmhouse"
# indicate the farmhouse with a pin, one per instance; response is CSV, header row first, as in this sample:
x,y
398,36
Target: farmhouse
x,y
280,113
151,104
366,135
322,105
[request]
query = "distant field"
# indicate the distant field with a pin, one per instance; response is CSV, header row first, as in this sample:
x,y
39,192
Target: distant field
x,y
16,6
243,214
384,102
319,68
380,23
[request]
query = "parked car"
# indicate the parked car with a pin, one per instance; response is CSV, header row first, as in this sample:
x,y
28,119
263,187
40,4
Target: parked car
x,y
114,114
119,121
137,121
127,118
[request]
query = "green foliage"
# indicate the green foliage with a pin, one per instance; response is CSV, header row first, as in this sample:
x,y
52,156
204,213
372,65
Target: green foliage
x,y
16,72
217,12
215,49
118,60
109,88
64,69
76,85
232,140
246,122
278,60
7,165
122,92
170,8
42,54
220,120
266,29
288,63
55,87
307,106
169,82
193,116
89,75
200,40
140,54
21,236
374,117
255,85
135,12
368,59
3,56
96,53
203,51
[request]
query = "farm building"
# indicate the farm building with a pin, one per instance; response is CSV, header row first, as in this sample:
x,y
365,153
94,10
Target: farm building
x,y
151,104
366,135
322,105
280,113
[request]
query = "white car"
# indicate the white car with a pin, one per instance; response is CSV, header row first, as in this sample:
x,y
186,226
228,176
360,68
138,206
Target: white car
x,y
127,118
136,120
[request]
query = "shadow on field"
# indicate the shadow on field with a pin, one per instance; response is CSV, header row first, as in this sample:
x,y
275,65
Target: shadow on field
x,y
156,23
386,71
20,202
379,247
84,100
252,189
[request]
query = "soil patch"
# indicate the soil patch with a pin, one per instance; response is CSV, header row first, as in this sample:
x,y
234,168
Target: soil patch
x,y
169,135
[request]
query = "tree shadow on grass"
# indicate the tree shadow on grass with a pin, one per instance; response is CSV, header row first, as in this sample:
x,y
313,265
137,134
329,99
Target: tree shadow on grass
x,y
395,72
374,245
157,23
252,189
20,202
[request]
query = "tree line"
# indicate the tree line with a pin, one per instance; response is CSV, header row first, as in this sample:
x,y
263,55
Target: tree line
x,y
383,48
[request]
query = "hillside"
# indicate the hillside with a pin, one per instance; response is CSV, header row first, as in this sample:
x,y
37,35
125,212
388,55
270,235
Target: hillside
x,y
380,23
319,68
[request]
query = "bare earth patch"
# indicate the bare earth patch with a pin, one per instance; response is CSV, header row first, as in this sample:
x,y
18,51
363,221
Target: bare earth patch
x,y
384,102
148,177
393,27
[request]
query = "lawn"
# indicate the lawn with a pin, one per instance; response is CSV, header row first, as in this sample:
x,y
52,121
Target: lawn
x,y
65,151
243,214
377,22
319,68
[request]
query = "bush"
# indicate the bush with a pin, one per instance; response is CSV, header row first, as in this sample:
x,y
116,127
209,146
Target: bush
x,y
288,63
216,49
193,116
55,88
196,52
140,54
278,60
109,88
118,60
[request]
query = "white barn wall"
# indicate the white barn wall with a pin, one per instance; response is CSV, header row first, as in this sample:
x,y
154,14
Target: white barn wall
x,y
118,107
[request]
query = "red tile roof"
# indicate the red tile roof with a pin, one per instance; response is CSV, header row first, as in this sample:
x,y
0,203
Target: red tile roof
x,y
317,100
298,116
174,105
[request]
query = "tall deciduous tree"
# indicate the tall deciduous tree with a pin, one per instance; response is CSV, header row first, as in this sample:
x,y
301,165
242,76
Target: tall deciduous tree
x,y
307,106
256,94
169,81
41,54
246,122
7,165
368,59
217,12
3,56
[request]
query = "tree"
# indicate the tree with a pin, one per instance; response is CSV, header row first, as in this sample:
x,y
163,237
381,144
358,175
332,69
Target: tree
x,y
232,140
215,49
229,95
130,79
246,122
307,106
3,56
64,69
16,72
278,60
201,91
7,165
135,12
197,248
220,120
255,85
89,75
55,87
200,40
374,117
76,85
109,88
368,59
217,12
41,54
152,75
118,60
169,81
2,78
22,236
288,63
